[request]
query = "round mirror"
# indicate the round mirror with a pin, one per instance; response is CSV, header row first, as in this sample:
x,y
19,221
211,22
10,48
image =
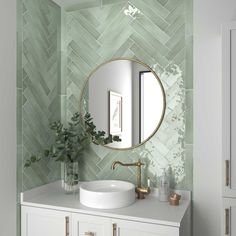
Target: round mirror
x,y
125,98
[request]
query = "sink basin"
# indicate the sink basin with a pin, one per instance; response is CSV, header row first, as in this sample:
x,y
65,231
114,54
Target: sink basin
x,y
107,194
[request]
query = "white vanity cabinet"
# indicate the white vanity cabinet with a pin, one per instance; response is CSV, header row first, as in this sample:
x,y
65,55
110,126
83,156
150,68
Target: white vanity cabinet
x,y
229,110
48,211
38,221
44,222
229,129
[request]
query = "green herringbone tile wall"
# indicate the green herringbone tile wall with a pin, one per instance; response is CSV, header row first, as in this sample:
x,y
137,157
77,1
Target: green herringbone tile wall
x,y
38,87
157,32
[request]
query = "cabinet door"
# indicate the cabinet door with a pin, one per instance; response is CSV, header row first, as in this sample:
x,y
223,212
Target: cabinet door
x,y
132,228
43,222
87,225
229,217
229,109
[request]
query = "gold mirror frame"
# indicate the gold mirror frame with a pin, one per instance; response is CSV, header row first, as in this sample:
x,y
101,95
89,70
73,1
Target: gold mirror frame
x,y
161,86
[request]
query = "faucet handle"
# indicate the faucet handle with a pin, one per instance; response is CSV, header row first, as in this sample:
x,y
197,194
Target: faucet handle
x,y
141,191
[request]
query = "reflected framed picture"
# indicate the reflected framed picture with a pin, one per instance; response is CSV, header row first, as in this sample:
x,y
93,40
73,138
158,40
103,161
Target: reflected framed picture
x,y
115,113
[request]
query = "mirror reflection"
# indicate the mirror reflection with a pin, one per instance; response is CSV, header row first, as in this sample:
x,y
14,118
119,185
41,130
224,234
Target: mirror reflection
x,y
125,98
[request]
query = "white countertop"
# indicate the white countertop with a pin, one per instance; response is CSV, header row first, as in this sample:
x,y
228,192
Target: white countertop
x,y
149,210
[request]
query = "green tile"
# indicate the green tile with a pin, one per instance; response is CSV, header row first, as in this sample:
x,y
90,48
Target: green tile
x,y
19,116
87,56
55,171
108,160
173,4
78,65
189,166
171,30
157,7
113,44
19,172
129,54
189,117
100,150
84,23
176,12
19,59
154,41
180,56
63,99
31,180
85,5
91,157
162,2
154,18
187,182
62,73
62,31
108,15
38,67
18,219
180,33
141,42
105,2
142,55
123,48
189,17
114,30
89,17
176,49
189,63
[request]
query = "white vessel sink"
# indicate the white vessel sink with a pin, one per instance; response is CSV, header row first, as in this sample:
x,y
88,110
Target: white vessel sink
x,y
107,194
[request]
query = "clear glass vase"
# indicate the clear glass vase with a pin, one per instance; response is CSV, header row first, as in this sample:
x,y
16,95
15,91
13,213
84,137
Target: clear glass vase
x,y
70,177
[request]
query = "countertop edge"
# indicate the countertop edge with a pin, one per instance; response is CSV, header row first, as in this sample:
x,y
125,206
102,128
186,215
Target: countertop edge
x,y
28,197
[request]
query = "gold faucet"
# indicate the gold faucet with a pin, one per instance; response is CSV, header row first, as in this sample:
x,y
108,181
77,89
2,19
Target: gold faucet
x,y
141,191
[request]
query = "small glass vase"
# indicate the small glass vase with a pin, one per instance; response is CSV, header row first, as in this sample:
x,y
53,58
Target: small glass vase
x,y
70,177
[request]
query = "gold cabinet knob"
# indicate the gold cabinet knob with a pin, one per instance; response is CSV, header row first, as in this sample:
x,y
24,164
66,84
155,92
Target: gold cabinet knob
x,y
89,234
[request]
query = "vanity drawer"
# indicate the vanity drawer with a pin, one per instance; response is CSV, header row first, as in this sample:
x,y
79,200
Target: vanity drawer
x,y
132,228
44,222
88,225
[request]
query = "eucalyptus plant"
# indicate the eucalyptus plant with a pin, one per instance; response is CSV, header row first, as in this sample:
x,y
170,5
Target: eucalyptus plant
x,y
71,141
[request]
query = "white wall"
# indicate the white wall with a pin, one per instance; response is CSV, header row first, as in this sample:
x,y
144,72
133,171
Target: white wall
x,y
208,17
8,118
117,77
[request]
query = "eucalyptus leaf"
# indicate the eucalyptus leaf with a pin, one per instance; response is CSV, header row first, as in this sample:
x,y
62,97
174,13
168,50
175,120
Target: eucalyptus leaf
x,y
72,140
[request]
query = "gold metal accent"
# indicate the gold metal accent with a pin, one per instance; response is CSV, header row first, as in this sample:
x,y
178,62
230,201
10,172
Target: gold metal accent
x,y
67,226
227,221
174,199
227,173
89,234
162,89
114,228
138,164
141,191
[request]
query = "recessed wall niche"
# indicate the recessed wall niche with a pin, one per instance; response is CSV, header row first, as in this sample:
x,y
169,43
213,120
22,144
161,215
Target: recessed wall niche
x,y
68,43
